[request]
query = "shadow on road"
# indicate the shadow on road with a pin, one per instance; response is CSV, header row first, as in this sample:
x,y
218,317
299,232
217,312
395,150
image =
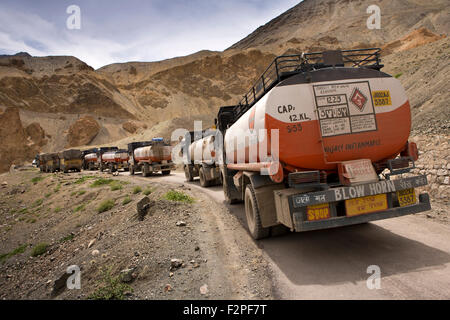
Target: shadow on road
x,y
342,255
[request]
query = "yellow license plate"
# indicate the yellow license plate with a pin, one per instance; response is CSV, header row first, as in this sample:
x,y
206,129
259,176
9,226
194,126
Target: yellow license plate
x,y
367,204
406,197
318,212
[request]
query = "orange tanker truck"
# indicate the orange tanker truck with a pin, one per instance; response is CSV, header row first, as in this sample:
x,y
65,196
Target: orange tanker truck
x,y
115,160
150,156
90,159
321,141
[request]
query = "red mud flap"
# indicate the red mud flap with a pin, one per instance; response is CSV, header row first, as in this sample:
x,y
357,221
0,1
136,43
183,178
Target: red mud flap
x,y
301,225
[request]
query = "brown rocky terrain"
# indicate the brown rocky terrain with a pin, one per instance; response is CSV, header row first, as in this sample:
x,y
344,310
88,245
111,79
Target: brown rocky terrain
x,y
18,144
179,250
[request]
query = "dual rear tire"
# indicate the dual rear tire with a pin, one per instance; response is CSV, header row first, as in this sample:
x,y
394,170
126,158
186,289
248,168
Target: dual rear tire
x,y
252,215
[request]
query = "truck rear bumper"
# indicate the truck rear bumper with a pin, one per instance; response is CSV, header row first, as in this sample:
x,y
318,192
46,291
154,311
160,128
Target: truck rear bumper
x,y
300,225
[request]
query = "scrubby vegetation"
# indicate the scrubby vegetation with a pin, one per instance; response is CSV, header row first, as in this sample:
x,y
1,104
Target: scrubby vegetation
x,y
127,200
116,185
79,208
179,196
148,191
137,190
105,206
36,179
39,249
83,179
101,182
111,287
6,256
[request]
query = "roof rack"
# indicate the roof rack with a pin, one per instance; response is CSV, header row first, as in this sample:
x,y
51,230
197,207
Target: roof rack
x,y
288,65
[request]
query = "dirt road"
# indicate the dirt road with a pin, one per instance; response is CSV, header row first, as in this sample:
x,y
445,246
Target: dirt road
x,y
413,255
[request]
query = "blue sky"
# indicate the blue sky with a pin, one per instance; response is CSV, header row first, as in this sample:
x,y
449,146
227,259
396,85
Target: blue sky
x,y
132,30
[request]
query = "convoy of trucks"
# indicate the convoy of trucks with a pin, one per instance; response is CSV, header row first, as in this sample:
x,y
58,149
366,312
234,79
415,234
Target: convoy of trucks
x,y
320,141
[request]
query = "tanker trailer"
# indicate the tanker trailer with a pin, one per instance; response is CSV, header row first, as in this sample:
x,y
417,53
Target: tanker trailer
x,y
321,141
101,162
150,156
70,160
90,161
115,160
201,159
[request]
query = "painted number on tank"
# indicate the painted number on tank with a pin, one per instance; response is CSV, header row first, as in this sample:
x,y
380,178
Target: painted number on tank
x,y
294,128
334,99
298,117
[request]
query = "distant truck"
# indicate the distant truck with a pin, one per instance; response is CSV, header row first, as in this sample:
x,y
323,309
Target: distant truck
x,y
115,160
150,156
42,162
103,162
52,163
70,160
201,158
90,161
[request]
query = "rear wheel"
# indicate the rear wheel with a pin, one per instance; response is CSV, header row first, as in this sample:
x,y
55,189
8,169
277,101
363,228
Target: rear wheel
x,y
145,170
132,170
227,189
188,173
252,214
165,173
203,182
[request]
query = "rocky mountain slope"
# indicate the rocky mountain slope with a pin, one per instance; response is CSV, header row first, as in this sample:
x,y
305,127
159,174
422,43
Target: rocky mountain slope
x,y
343,23
138,100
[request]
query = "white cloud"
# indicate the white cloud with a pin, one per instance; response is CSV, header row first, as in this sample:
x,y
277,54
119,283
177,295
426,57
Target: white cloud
x,y
183,30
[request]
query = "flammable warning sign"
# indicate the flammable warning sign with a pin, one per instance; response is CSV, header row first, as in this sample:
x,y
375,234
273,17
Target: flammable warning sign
x,y
381,98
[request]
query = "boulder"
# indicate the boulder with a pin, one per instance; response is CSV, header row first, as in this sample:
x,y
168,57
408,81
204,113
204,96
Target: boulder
x,y
82,132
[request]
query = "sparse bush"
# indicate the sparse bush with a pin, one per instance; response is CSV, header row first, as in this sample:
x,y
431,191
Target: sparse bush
x,y
105,206
116,186
66,238
111,287
179,196
137,190
47,195
398,75
79,208
83,179
80,193
58,209
38,202
39,249
148,191
127,200
36,179
6,256
73,193
101,182
23,211
56,189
